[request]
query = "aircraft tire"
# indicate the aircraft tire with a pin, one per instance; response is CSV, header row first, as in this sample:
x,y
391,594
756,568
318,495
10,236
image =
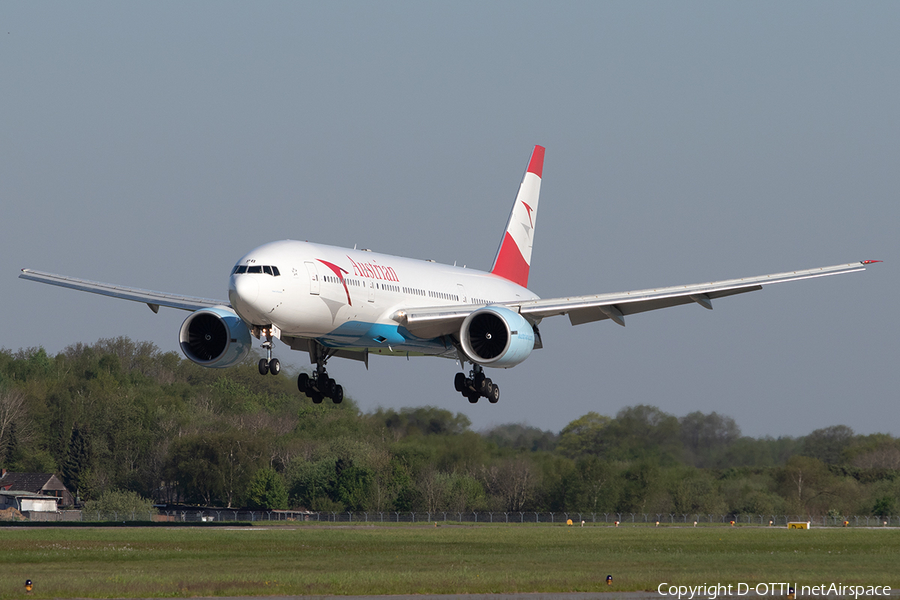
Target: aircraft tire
x,y
473,398
494,394
459,382
317,398
303,383
263,366
478,382
274,366
338,395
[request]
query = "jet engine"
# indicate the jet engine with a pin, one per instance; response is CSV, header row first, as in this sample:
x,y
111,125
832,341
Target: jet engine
x,y
495,336
215,337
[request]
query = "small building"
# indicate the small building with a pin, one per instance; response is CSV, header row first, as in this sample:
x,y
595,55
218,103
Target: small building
x,y
26,502
38,484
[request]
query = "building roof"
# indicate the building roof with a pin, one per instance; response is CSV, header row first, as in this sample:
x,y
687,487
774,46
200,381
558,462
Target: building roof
x,y
28,495
31,482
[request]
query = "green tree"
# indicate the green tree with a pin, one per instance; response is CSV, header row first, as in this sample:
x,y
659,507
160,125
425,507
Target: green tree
x,y
123,505
693,491
351,484
594,489
512,482
645,432
267,490
426,420
885,506
828,444
640,484
585,435
807,485
706,438
13,423
214,467
77,465
521,437
312,483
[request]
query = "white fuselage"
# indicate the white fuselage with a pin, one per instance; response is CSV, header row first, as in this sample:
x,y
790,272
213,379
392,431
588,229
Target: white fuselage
x,y
347,298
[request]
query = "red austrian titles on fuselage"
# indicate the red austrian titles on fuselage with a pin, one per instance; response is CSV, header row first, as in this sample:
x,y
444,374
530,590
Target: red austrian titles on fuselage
x,y
360,269
373,271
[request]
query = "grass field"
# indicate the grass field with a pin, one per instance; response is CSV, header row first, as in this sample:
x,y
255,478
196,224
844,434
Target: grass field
x,y
335,559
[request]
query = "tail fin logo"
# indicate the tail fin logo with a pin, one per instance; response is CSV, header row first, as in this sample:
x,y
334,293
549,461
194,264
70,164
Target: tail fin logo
x,y
530,210
513,259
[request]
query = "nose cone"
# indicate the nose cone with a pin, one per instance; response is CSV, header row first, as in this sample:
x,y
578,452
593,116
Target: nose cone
x,y
246,288
243,293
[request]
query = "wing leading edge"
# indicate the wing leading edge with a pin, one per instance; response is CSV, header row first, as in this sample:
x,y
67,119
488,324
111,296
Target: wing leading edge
x,y
152,299
616,306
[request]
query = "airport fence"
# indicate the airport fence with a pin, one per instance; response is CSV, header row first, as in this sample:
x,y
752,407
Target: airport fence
x,y
211,515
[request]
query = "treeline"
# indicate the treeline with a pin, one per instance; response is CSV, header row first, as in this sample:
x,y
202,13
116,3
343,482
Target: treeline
x,y
125,417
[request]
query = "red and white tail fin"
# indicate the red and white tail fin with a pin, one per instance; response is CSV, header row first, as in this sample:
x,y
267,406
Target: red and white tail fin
x,y
514,255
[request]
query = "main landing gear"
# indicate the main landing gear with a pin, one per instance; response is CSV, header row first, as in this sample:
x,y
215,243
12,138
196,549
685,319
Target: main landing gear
x,y
477,385
320,385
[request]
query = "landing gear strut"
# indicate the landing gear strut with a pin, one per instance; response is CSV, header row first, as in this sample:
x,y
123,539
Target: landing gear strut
x,y
269,364
320,385
476,385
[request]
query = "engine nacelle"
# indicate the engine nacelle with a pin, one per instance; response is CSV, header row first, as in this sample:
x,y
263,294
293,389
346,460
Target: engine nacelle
x,y
215,337
496,336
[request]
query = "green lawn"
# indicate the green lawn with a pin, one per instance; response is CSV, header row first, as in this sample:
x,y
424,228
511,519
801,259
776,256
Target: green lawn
x,y
336,559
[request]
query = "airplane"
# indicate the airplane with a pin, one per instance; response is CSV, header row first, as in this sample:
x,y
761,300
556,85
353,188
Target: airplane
x,y
346,303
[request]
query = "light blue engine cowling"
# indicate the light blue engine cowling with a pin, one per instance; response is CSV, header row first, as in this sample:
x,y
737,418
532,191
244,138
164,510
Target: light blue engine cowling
x,y
495,336
215,337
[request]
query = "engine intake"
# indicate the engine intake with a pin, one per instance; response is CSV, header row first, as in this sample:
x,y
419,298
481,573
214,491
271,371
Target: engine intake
x,y
496,336
215,337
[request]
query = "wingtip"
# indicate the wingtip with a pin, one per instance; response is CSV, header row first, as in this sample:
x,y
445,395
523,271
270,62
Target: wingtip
x,y
870,262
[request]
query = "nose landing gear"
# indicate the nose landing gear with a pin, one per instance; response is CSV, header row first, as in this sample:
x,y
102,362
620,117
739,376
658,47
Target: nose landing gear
x,y
476,385
269,364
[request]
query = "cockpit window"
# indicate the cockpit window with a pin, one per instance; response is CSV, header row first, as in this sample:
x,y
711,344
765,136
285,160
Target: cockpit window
x,y
267,269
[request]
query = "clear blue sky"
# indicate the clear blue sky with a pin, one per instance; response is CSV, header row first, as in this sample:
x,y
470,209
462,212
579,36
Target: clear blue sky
x,y
154,143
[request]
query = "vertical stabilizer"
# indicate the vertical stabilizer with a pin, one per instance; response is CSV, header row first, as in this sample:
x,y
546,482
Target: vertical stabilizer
x,y
513,258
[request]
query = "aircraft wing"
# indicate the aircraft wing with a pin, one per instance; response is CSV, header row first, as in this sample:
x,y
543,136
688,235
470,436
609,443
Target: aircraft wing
x,y
152,299
585,309
433,321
